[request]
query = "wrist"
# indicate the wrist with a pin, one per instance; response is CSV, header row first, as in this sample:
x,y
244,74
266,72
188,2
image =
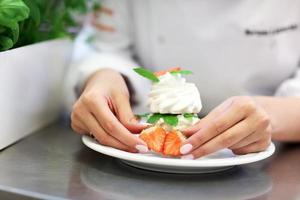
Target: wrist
x,y
267,104
284,113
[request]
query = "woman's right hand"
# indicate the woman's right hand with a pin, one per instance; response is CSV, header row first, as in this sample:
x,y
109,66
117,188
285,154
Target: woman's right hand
x,y
104,111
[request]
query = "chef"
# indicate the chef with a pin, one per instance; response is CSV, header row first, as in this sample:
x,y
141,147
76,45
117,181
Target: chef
x,y
245,58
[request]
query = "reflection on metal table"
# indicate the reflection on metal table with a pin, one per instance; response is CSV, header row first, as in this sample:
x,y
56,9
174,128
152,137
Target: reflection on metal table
x,y
54,164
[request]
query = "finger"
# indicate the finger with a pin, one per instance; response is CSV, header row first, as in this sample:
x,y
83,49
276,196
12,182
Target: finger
x,y
225,140
77,125
93,127
78,129
113,127
252,148
262,131
254,137
101,136
212,115
125,115
215,127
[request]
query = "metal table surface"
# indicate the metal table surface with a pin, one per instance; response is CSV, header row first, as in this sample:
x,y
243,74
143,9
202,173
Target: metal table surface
x,y
54,164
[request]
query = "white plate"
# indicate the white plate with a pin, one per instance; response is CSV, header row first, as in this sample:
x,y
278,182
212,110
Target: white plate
x,y
218,161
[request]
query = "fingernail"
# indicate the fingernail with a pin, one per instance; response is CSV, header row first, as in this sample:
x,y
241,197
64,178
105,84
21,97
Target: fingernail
x,y
187,157
141,148
186,148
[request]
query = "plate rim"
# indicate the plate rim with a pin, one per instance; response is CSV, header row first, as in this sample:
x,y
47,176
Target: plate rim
x,y
140,158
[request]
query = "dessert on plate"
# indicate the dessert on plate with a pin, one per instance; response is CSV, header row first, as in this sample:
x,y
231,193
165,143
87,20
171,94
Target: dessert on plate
x,y
174,104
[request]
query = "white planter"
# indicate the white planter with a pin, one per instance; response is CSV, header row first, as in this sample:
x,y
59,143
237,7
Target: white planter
x,y
31,80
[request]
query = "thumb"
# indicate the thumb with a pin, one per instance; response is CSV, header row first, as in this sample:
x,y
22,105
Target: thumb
x,y
125,114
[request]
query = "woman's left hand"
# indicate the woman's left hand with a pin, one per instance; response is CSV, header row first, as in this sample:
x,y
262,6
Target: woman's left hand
x,y
239,124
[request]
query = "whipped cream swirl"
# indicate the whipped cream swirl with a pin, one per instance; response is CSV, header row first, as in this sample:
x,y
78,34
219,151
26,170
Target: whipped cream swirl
x,y
172,94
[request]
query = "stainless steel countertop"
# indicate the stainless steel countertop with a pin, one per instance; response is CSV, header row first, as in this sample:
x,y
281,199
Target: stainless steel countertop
x,y
54,164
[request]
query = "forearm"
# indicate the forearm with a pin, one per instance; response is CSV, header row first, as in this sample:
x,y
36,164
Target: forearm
x,y
284,113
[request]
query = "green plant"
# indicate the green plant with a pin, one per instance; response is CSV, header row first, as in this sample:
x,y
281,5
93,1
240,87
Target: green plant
x,y
25,22
11,13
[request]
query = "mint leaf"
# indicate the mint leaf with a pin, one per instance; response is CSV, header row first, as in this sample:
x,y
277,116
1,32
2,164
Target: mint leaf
x,y
154,118
183,72
189,116
170,119
146,73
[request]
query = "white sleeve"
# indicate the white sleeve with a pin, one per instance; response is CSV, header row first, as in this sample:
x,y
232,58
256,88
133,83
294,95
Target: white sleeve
x,y
290,87
109,47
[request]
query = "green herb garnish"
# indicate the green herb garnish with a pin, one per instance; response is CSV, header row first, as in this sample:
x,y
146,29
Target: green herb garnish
x,y
172,120
183,72
189,116
154,118
146,73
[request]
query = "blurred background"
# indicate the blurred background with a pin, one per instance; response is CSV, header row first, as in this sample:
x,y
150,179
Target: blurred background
x,y
24,22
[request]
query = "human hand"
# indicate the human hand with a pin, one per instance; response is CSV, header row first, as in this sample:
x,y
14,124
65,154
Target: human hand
x,y
104,111
239,124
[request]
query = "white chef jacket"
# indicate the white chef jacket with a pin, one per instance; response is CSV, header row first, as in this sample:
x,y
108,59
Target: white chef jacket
x,y
234,47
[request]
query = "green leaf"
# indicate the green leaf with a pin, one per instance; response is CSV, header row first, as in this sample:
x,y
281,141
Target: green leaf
x,y
146,73
34,14
183,72
172,120
12,31
154,118
2,29
190,116
15,33
15,10
11,12
5,43
39,20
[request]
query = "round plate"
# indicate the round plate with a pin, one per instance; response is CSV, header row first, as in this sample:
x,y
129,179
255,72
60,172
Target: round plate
x,y
219,161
